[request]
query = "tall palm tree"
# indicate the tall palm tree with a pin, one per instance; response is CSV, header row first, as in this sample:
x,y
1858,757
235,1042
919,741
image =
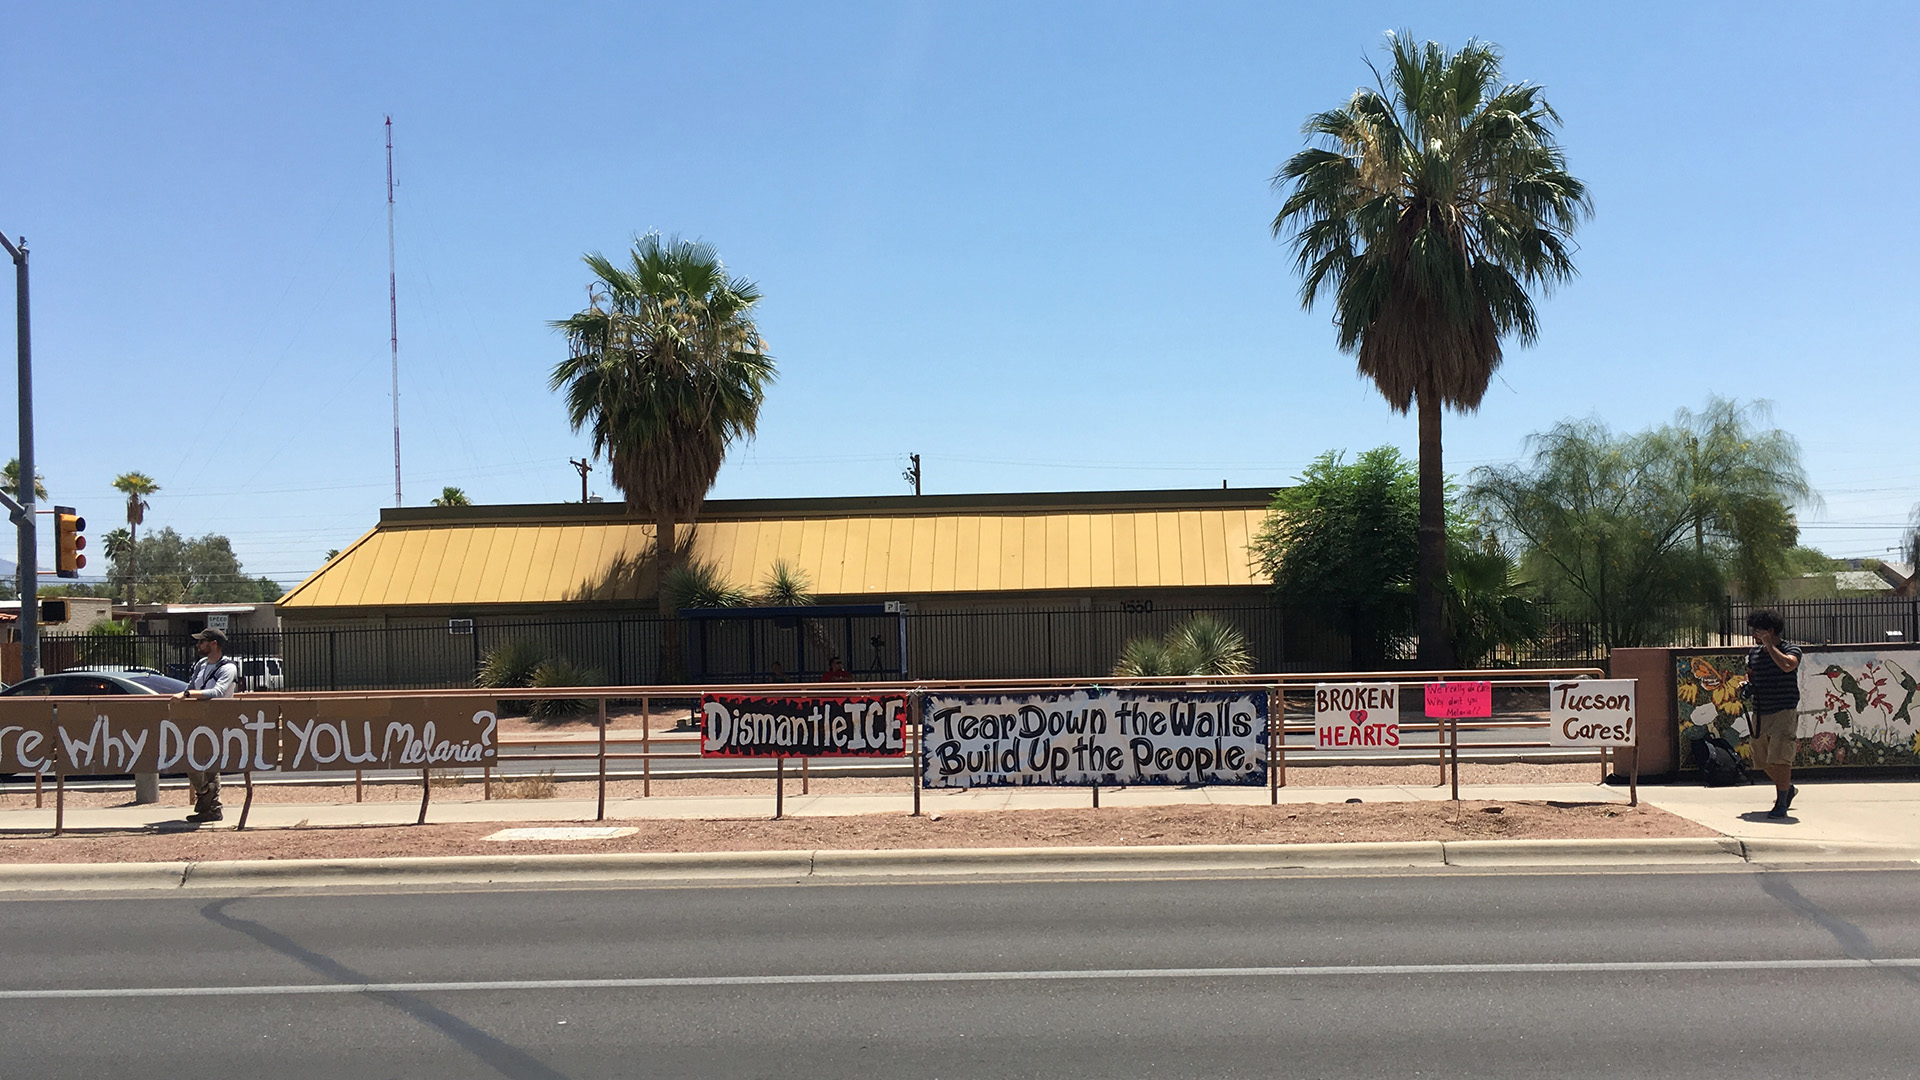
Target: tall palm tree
x,y
452,496
10,476
136,486
1428,206
665,370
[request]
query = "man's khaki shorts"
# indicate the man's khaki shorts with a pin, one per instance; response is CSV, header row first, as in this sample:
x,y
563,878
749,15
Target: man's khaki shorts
x,y
1775,740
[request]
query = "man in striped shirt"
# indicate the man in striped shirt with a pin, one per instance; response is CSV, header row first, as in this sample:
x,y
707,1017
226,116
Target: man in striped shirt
x,y
1772,691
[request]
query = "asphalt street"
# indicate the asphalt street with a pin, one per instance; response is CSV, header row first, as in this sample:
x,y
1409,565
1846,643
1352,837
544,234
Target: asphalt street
x,y
1740,974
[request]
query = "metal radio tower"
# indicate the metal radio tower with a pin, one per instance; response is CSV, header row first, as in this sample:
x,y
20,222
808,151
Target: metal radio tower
x,y
393,317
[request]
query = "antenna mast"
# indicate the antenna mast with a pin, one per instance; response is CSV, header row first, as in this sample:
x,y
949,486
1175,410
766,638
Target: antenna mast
x,y
393,316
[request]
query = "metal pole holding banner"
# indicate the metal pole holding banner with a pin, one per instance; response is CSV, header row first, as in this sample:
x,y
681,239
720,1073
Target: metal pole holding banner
x,y
646,747
779,787
23,512
1453,752
1274,734
805,764
601,813
1096,796
426,793
246,805
59,800
359,779
1633,778
915,706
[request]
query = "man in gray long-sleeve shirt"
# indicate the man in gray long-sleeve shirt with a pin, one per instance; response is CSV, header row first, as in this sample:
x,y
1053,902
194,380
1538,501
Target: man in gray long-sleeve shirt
x,y
215,675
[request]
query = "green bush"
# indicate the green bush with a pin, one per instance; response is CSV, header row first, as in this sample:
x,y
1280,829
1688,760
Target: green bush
x,y
558,672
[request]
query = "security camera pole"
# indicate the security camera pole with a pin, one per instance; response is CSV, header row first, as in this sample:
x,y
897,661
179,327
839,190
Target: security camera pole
x,y
22,511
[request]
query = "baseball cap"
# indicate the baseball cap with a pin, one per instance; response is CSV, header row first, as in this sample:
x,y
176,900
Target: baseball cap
x,y
210,634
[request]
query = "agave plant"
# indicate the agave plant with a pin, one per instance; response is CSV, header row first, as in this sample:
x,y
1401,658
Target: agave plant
x,y
1143,656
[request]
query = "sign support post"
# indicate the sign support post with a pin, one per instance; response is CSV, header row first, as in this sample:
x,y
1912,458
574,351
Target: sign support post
x,y
426,793
914,705
601,813
779,787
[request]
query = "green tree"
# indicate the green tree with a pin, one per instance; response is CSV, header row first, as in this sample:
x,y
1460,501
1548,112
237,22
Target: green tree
x,y
183,570
665,369
1431,206
1741,480
1604,523
10,477
1342,545
452,496
136,486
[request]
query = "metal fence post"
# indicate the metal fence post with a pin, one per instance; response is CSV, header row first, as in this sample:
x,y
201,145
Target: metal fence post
x,y
601,813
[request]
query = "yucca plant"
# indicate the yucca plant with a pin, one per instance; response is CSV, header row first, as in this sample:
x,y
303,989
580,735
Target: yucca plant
x,y
1206,645
511,664
786,585
698,584
557,672
1203,645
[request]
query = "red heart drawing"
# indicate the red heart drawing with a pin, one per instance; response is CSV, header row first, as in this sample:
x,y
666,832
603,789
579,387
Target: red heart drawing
x,y
1357,715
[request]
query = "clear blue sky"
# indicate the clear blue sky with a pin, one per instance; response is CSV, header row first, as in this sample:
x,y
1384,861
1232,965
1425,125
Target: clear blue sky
x,y
1027,241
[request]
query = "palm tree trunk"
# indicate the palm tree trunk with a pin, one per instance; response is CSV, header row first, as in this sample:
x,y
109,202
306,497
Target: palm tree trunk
x,y
1436,649
133,560
666,552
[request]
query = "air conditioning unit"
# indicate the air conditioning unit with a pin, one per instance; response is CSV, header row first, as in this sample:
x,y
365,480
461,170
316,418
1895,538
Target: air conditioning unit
x,y
460,627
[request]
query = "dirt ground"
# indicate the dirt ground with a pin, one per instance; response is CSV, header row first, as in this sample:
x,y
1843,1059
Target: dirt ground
x,y
1295,823
459,789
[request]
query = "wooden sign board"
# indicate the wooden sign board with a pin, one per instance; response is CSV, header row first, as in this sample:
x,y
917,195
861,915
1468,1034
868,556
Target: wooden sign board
x,y
334,734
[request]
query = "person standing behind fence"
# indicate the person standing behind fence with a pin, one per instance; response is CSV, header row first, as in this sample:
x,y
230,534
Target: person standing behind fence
x,y
1772,691
215,675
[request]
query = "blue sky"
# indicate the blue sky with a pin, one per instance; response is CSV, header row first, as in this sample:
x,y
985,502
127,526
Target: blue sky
x,y
1026,241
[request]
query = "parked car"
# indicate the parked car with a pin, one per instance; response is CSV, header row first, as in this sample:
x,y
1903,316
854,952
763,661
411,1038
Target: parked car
x,y
94,684
118,669
261,673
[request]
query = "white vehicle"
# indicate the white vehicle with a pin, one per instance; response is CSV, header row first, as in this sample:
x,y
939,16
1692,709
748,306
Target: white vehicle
x,y
261,673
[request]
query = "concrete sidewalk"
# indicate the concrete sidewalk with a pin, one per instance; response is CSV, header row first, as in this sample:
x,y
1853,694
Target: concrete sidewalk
x,y
1833,811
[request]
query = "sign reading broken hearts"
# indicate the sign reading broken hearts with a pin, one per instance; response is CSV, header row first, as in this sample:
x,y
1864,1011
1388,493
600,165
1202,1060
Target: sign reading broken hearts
x,y
1356,716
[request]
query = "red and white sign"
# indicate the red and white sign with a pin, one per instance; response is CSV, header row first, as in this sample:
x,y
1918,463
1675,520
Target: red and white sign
x,y
1591,712
1459,700
1356,716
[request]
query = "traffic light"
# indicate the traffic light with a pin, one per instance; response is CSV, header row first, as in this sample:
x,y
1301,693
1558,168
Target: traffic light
x,y
67,542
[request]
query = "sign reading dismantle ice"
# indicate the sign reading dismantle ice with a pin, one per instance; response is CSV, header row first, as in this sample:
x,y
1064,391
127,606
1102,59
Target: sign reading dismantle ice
x,y
1356,716
1591,712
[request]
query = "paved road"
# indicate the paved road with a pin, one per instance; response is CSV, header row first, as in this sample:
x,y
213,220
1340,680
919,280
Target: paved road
x,y
1439,975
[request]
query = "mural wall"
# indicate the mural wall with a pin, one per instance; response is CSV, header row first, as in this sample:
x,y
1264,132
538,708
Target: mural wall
x,y
1858,707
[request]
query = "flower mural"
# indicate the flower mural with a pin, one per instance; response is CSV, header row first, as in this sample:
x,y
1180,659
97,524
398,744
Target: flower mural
x,y
1857,707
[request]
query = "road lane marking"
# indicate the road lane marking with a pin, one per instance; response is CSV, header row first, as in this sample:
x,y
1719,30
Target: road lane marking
x,y
858,978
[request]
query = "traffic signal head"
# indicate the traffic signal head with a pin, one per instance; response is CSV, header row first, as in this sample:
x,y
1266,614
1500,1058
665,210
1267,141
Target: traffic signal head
x,y
68,542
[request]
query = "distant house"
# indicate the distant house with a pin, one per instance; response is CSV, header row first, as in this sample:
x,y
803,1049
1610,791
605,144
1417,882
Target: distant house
x,y
1015,583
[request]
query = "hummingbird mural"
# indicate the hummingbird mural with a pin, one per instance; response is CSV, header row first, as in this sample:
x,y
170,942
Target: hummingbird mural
x,y
1906,681
1844,682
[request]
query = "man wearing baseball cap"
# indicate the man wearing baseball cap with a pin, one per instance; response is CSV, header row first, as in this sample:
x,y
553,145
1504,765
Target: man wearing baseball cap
x,y
215,675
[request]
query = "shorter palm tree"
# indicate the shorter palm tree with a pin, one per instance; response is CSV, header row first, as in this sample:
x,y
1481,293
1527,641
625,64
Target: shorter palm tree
x,y
452,496
10,476
136,486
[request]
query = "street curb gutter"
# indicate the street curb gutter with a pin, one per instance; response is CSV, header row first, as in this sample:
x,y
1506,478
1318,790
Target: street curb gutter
x,y
671,867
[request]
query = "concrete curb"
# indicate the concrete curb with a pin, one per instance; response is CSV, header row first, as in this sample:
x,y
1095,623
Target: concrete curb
x,y
669,867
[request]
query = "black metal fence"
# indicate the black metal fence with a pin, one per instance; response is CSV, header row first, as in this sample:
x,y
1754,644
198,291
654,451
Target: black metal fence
x,y
1067,641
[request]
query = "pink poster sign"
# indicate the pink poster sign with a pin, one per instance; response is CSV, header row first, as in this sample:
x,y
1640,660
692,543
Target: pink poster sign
x,y
1459,700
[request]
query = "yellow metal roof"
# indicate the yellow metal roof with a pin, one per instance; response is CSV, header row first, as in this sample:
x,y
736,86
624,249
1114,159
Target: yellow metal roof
x,y
453,562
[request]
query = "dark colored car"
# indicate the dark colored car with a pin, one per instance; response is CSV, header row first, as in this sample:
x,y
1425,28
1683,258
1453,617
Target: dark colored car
x,y
94,684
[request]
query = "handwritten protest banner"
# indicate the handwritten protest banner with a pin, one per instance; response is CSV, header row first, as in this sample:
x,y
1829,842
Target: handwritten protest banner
x,y
1458,700
1591,712
329,734
1095,737
27,742
752,725
1356,716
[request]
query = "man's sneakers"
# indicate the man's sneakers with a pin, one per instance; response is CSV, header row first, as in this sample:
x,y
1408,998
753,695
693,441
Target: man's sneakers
x,y
1780,804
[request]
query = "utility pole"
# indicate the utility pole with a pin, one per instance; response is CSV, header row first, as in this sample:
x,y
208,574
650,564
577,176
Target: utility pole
x,y
912,473
22,511
393,316
584,467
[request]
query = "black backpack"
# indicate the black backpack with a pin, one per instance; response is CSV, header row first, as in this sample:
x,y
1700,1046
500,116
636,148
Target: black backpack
x,y
1718,762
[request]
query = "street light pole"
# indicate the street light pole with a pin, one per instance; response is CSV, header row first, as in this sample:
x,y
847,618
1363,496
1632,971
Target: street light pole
x,y
23,513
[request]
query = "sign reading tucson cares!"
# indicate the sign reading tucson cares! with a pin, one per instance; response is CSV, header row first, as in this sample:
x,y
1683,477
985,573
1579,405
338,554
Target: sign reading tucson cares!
x,y
1095,737
1591,712
751,725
